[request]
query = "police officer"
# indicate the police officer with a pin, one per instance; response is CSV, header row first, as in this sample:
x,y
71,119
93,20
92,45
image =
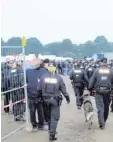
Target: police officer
x,y
51,86
16,81
90,70
80,79
102,82
5,84
21,92
35,101
46,63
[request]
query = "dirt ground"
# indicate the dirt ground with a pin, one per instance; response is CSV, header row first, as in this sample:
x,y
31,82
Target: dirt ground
x,y
71,127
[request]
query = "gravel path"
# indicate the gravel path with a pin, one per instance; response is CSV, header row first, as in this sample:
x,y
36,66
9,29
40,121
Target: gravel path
x,y
71,127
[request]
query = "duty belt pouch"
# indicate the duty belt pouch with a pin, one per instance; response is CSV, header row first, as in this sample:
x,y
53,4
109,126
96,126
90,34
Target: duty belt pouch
x,y
34,94
60,100
103,90
50,100
50,89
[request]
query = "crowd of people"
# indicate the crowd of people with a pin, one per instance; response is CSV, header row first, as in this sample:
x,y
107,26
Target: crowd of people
x,y
45,88
12,82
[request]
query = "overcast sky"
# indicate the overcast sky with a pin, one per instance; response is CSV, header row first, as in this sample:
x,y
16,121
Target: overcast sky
x,y
54,20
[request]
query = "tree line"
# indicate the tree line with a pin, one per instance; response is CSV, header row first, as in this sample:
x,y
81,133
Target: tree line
x,y
65,48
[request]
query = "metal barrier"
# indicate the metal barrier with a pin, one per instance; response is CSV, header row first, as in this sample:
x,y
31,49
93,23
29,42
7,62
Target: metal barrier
x,y
14,114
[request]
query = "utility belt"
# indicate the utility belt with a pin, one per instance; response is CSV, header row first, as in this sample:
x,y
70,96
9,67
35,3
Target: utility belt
x,y
51,98
36,97
103,90
79,84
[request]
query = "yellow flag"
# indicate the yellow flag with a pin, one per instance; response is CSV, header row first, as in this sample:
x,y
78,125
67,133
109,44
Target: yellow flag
x,y
24,42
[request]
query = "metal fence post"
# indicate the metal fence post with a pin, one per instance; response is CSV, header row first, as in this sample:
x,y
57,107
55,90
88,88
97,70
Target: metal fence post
x,y
25,87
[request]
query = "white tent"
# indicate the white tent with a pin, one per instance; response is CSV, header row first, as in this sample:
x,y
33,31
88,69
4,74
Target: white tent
x,y
50,57
7,58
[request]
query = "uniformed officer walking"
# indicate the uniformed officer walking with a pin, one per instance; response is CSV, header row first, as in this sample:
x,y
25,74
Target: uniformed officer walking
x,y
79,80
45,106
102,82
51,86
90,70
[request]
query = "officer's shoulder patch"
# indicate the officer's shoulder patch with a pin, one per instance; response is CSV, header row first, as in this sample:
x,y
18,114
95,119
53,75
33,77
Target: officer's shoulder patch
x,y
77,71
51,80
104,71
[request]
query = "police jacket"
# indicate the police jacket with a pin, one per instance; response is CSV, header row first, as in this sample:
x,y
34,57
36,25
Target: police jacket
x,y
5,82
102,77
33,78
79,77
16,78
52,85
90,71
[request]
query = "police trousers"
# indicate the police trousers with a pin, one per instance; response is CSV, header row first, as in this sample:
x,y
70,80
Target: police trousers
x,y
102,104
19,105
33,107
46,111
6,102
54,115
78,94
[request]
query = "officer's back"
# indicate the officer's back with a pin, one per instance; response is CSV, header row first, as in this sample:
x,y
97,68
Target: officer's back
x,y
52,84
79,76
102,77
102,81
90,71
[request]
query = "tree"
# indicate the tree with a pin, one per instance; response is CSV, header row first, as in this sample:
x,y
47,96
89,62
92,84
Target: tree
x,y
64,48
2,42
101,39
14,41
33,46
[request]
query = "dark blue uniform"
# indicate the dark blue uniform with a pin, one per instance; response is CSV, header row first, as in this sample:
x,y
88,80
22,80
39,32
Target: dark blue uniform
x,y
16,79
52,86
79,78
5,85
90,71
102,81
33,79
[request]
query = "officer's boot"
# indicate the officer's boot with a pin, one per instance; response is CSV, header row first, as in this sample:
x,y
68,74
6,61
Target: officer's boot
x,y
52,137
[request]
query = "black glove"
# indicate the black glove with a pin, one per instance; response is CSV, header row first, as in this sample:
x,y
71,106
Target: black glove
x,y
67,99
